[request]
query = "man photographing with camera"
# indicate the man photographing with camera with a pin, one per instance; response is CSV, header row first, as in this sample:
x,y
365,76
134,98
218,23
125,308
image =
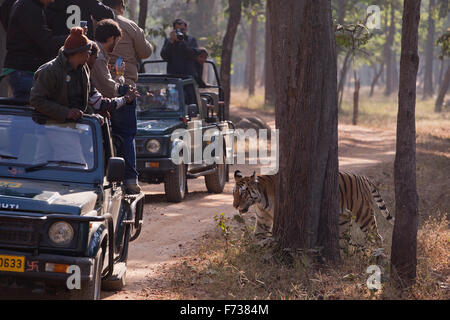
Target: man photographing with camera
x,y
180,50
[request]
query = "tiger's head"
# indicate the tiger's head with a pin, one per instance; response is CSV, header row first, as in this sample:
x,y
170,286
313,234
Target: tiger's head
x,y
245,192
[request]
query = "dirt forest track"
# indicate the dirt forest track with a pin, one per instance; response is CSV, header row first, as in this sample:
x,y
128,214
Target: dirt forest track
x,y
173,231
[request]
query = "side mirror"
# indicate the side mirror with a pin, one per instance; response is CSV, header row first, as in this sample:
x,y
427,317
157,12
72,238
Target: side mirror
x,y
193,110
116,170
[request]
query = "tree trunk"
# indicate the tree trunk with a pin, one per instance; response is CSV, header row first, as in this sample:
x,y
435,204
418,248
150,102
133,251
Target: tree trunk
x,y
429,52
143,9
443,91
341,10
235,8
356,99
253,48
132,9
305,77
268,63
375,79
388,53
404,239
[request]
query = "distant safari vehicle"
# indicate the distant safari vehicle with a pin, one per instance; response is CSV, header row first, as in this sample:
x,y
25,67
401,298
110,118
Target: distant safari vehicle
x,y
171,102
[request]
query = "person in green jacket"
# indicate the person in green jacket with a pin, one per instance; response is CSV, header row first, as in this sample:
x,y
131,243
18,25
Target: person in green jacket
x,y
61,86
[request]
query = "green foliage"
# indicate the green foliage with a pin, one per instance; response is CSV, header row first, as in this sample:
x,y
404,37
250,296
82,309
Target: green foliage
x,y
223,224
352,36
444,43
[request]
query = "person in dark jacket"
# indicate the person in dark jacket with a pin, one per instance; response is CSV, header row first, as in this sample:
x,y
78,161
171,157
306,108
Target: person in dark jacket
x,y
29,43
180,54
62,86
62,15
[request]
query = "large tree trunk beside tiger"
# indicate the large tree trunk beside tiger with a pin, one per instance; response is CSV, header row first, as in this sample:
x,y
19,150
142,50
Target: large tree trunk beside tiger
x,y
303,50
404,240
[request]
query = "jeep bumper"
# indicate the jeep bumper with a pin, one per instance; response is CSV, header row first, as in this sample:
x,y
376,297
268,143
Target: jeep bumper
x,y
154,166
35,266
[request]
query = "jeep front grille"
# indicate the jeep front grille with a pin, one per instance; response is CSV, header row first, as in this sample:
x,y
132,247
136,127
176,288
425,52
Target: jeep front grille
x,y
19,232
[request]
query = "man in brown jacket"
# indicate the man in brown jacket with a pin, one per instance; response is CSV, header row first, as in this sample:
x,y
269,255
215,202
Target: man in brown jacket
x,y
61,86
132,47
123,120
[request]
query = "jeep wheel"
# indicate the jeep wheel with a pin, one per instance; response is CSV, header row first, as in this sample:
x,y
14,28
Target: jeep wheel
x,y
215,183
91,290
175,184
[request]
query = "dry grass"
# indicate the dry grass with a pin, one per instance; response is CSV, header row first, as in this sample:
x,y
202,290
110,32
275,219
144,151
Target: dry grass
x,y
234,267
241,98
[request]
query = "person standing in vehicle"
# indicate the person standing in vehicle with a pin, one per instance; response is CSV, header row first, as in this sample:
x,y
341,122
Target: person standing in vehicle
x,y
61,88
180,50
62,15
131,48
30,43
123,120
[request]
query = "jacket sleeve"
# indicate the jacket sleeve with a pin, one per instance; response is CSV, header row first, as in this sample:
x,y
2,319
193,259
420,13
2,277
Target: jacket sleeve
x,y
190,48
143,48
166,50
39,96
102,79
99,11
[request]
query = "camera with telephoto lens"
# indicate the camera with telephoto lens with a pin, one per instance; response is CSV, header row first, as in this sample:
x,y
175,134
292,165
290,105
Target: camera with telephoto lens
x,y
180,34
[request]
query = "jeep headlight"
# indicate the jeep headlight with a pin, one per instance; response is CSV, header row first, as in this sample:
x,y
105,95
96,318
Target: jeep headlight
x,y
61,233
153,146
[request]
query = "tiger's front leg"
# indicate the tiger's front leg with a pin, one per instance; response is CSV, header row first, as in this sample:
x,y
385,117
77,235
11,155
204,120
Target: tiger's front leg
x,y
345,223
264,224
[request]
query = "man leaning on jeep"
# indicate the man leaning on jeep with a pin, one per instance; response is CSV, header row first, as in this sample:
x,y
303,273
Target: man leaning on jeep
x,y
61,86
61,92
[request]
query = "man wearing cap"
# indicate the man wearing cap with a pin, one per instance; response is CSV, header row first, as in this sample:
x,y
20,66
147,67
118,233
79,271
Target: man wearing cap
x,y
61,88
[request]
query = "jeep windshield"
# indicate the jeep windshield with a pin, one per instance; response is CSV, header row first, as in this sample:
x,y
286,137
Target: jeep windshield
x,y
157,98
37,144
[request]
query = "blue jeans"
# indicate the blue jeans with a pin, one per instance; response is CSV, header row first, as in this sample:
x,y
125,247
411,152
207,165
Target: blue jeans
x,y
124,124
21,83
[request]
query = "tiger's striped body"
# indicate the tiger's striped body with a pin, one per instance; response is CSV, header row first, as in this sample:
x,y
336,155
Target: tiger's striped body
x,y
356,195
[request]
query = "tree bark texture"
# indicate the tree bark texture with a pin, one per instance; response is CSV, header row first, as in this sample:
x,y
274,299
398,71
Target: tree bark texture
x,y
429,52
235,9
305,77
404,239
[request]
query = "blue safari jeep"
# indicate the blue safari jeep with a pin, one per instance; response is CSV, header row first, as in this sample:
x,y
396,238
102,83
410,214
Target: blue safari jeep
x,y
169,103
63,213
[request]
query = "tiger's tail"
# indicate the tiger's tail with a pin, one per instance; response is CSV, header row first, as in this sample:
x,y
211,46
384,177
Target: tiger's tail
x,y
381,205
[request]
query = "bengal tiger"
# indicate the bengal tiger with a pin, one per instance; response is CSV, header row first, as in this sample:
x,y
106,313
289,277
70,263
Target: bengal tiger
x,y
356,195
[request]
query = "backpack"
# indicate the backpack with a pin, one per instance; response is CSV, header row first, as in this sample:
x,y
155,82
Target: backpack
x,y
5,12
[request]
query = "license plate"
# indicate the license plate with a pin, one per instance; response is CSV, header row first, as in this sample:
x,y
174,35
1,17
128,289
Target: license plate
x,y
12,263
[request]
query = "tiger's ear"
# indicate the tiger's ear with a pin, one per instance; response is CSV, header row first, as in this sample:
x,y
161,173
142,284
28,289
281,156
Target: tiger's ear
x,y
255,177
237,175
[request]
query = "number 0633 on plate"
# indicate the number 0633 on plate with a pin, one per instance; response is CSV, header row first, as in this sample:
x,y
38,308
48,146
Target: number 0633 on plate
x,y
12,263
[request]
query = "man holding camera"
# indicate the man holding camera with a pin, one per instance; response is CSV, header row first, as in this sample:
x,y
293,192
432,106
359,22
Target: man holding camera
x,y
180,51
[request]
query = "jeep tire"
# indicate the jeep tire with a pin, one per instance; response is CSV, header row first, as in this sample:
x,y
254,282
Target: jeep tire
x,y
91,290
175,184
215,183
